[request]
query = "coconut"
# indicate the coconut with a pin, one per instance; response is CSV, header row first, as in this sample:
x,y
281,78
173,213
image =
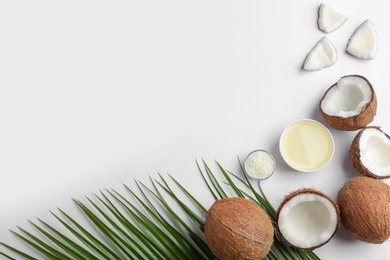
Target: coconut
x,y
322,55
370,152
237,228
365,209
329,19
363,43
349,104
307,219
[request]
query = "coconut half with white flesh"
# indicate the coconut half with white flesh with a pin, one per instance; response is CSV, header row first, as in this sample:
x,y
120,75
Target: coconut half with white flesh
x,y
370,153
363,43
349,104
307,219
323,55
329,19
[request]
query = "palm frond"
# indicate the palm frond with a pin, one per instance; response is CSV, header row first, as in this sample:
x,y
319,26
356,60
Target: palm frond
x,y
94,244
148,224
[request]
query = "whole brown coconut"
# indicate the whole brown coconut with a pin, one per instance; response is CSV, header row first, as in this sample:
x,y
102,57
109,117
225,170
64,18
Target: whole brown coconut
x,y
369,152
365,209
237,228
349,104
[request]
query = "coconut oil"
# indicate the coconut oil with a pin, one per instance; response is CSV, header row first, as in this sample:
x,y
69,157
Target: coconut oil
x,y
306,145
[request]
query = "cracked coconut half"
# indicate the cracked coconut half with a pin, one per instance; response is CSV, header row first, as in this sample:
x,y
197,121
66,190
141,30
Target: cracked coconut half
x,y
370,153
307,219
349,104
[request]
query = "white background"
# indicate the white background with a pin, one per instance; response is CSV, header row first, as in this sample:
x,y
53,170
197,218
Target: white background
x,y
94,94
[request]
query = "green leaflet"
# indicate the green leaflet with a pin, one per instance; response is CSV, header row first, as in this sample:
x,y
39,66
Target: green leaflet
x,y
147,224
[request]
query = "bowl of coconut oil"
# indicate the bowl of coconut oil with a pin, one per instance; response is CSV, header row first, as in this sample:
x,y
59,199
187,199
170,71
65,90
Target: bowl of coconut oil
x,y
306,145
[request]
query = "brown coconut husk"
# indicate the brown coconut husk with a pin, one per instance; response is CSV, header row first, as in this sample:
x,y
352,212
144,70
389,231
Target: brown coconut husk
x,y
306,191
354,153
237,228
365,209
356,122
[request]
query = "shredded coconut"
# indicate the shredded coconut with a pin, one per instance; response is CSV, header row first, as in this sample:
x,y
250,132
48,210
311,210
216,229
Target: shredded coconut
x,y
259,164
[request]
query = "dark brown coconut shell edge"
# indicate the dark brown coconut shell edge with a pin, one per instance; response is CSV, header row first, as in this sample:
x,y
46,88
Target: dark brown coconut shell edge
x,y
354,153
356,122
299,192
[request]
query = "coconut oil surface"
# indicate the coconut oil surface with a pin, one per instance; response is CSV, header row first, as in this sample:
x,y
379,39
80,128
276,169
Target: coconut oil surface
x,y
306,145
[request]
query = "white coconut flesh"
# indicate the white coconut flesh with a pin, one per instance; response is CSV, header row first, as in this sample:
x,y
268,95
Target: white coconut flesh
x,y
364,42
329,19
323,55
308,220
347,98
374,148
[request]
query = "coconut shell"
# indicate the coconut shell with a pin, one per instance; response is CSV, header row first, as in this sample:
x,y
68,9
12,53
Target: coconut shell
x,y
365,209
356,122
306,191
354,153
237,228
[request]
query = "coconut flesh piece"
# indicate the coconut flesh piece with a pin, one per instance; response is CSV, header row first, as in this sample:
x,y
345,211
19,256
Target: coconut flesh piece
x,y
363,43
372,153
307,219
323,55
329,19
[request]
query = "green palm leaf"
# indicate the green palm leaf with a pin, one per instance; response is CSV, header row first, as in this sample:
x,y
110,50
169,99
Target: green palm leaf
x,y
144,225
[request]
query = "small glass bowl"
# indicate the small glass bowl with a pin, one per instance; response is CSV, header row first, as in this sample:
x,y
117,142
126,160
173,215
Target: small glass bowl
x,y
253,167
